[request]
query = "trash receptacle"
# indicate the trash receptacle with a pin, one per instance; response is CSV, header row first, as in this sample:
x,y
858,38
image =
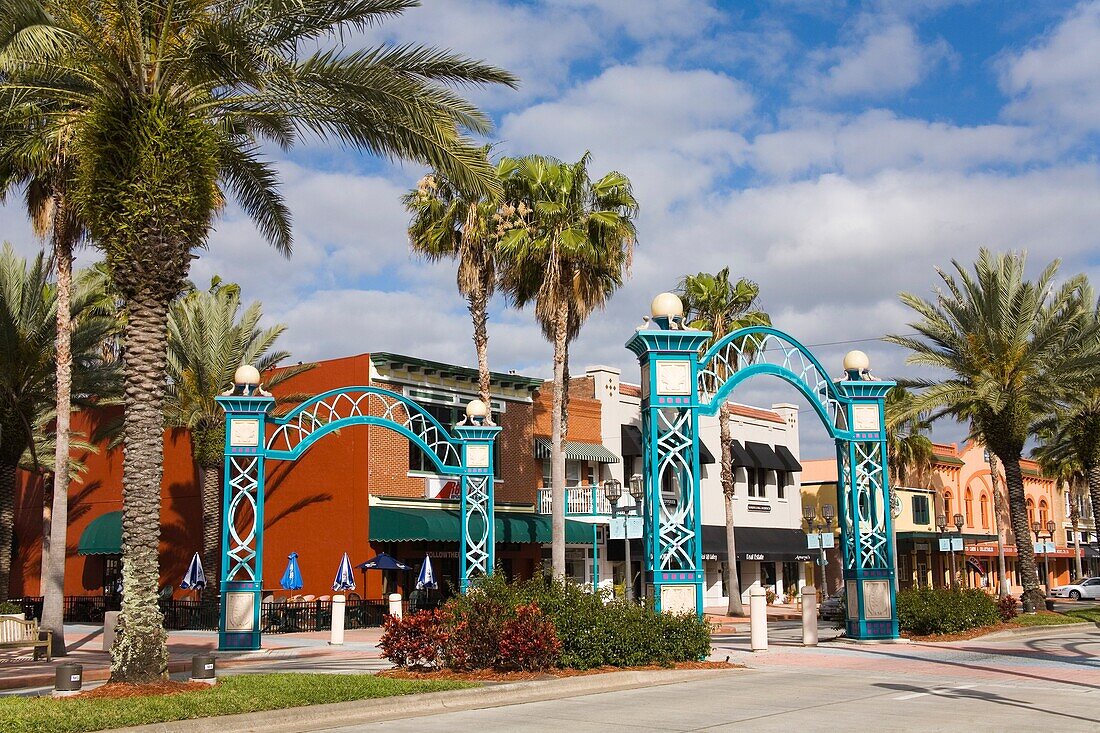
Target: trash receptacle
x,y
203,669
68,679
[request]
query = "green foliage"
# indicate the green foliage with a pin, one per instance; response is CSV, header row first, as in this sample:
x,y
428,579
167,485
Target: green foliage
x,y
1085,614
926,611
237,694
9,607
1046,619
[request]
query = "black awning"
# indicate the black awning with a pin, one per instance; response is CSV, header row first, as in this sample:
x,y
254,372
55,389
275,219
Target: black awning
x,y
783,453
758,543
741,456
632,441
705,456
764,457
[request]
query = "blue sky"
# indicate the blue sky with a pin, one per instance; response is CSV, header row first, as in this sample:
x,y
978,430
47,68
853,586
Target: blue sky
x,y
834,152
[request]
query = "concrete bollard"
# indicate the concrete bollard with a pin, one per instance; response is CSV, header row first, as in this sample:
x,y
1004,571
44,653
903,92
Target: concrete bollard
x,y
809,616
110,621
203,669
338,608
758,619
68,679
395,605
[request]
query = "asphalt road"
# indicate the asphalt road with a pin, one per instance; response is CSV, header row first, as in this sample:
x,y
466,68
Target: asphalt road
x,y
1050,684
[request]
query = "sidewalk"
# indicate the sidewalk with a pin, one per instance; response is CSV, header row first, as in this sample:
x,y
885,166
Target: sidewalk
x,y
19,671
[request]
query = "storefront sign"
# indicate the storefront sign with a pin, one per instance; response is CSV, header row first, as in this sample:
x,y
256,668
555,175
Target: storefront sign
x,y
442,487
759,507
973,562
947,544
753,556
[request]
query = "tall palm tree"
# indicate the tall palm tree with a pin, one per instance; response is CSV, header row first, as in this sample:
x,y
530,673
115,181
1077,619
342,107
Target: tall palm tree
x,y
45,172
1069,450
28,323
208,338
1012,350
567,245
713,303
449,223
168,106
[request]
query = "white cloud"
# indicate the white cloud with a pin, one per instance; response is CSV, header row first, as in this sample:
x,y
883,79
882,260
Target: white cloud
x,y
883,62
1057,79
879,139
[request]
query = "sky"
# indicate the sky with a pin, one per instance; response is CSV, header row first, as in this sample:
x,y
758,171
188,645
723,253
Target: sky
x,y
834,152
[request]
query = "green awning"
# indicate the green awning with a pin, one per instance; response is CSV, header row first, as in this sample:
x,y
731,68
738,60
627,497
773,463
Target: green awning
x,y
577,451
103,536
408,524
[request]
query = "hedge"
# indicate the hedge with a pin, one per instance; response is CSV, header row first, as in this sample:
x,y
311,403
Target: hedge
x,y
927,611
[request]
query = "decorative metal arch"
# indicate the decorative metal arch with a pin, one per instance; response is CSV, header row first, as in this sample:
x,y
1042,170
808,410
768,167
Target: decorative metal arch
x,y
766,350
330,411
252,438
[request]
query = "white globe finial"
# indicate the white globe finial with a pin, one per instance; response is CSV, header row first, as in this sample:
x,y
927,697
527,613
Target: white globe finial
x,y
246,374
856,361
667,305
476,410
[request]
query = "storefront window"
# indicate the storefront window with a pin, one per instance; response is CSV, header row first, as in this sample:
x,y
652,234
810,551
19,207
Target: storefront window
x,y
767,575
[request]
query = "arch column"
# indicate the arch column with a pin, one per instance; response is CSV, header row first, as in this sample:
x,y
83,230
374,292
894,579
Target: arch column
x,y
242,521
866,521
478,532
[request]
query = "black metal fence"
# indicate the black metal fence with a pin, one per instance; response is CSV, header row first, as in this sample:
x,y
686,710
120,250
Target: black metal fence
x,y
182,615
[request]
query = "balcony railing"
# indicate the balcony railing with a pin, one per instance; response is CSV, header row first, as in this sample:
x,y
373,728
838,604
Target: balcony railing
x,y
587,500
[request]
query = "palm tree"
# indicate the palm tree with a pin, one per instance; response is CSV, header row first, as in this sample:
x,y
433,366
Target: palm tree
x,y
567,244
908,450
208,338
1069,450
449,223
1013,349
168,107
713,303
28,378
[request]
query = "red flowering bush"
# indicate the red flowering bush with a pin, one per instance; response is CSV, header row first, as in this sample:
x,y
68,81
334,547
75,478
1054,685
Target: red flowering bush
x,y
415,640
1007,607
477,621
529,642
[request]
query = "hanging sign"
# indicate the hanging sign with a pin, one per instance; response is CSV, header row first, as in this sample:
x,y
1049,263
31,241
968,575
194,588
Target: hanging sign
x,y
617,528
634,527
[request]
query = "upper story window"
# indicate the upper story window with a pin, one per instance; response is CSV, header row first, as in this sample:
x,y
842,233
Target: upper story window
x,y
757,481
448,416
782,481
920,510
969,508
984,502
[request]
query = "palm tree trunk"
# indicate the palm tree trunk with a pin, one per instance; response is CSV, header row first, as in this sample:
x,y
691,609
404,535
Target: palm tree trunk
x,y
1032,597
211,529
557,444
733,585
53,544
140,653
1092,476
479,314
7,521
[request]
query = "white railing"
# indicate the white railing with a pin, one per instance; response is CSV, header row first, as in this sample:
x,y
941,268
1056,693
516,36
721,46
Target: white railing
x,y
580,499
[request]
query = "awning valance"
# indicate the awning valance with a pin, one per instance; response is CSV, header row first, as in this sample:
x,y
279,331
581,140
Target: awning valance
x,y
411,524
764,456
103,536
577,451
783,453
741,457
758,543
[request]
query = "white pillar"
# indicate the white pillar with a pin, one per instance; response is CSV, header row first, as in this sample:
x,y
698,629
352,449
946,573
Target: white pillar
x,y
758,619
809,616
337,636
395,605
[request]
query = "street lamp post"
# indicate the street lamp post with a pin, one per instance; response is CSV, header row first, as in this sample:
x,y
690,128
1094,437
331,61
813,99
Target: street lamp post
x,y
941,524
959,519
827,514
1037,528
637,491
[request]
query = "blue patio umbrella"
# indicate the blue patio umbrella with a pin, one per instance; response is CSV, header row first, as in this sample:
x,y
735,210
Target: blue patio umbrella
x,y
345,580
382,561
292,577
194,578
426,579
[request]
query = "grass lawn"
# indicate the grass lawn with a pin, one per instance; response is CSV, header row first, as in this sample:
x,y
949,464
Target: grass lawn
x,y
1047,619
236,694
1086,614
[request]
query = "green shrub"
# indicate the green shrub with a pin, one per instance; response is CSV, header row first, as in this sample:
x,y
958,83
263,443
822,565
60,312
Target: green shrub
x,y
9,607
926,611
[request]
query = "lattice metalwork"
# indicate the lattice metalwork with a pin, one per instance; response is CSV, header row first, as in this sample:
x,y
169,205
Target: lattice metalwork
x,y
674,469
848,529
351,405
870,501
477,517
242,474
759,347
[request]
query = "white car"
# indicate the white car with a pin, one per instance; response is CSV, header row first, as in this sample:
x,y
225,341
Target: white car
x,y
1087,588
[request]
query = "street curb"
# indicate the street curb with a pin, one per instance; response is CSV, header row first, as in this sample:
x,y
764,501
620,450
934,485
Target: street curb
x,y
1037,630
356,712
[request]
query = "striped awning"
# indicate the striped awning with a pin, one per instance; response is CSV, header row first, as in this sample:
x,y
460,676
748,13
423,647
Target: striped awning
x,y
577,451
